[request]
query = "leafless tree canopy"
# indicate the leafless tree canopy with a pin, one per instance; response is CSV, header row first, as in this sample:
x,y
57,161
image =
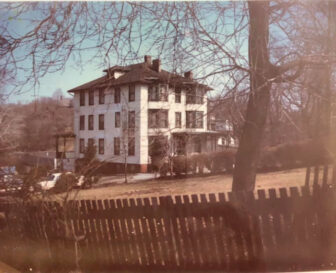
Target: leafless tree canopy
x,y
213,39
209,38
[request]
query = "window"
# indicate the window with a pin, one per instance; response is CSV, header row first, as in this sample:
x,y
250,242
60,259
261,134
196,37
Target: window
x,y
90,142
81,145
163,92
194,96
82,98
101,96
90,122
131,92
153,93
199,119
194,119
101,122
178,95
163,118
158,92
117,145
198,145
189,119
190,96
131,146
117,120
91,97
157,118
117,95
82,123
131,119
181,146
101,146
178,119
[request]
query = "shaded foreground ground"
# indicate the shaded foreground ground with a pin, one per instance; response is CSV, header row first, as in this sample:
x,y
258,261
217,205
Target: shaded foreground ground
x,y
192,185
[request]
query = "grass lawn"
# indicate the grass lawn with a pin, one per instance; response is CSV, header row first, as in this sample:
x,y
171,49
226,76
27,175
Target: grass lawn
x,y
191,185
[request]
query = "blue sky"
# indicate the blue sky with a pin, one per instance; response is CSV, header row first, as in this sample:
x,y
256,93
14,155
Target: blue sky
x,y
73,74
202,59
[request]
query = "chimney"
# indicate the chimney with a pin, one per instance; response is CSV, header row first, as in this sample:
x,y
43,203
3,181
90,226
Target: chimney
x,y
157,65
188,75
148,60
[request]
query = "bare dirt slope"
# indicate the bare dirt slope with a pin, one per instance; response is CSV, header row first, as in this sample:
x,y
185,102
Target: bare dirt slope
x,y
191,185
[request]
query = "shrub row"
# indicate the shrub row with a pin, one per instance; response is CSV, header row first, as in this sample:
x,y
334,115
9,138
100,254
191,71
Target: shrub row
x,y
281,157
196,163
293,155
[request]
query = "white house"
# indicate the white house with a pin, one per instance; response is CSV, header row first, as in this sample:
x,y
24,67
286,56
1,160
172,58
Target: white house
x,y
124,111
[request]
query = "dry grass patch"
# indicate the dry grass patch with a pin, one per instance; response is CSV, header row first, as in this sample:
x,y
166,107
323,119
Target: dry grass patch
x,y
192,185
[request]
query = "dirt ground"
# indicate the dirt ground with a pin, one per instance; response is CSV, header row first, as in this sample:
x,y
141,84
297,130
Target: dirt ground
x,y
191,185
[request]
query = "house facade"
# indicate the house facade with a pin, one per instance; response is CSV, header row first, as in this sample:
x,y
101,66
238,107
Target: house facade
x,y
131,107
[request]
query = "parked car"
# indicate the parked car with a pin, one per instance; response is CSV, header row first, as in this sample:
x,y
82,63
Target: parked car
x,y
10,183
86,182
49,182
61,182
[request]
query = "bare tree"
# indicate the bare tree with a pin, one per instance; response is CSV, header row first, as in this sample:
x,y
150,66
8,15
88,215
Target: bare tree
x,y
183,34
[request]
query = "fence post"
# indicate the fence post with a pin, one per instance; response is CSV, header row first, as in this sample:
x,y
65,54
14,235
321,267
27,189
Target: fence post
x,y
307,176
316,175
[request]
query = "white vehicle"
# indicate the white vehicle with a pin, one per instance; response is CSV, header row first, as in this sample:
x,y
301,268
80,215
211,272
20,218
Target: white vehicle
x,y
50,181
81,181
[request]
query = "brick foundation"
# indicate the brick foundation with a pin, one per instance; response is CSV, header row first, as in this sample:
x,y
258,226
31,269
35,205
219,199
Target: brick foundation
x,y
110,168
143,168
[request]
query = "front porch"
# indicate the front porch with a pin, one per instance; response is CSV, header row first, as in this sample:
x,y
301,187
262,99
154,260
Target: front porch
x,y
190,143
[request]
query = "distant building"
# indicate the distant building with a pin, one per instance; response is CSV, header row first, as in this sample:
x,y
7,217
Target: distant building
x,y
131,107
65,152
222,126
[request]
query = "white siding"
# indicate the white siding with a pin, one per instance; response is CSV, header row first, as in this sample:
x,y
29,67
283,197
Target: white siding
x,y
140,106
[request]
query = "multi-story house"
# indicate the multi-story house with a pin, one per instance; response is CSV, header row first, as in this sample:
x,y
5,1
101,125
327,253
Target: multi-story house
x,y
130,107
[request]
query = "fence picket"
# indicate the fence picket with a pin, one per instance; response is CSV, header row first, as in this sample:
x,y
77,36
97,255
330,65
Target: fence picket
x,y
276,224
115,252
205,238
127,228
175,230
157,234
187,260
165,204
268,244
104,237
191,229
316,175
97,225
139,238
148,233
115,214
217,244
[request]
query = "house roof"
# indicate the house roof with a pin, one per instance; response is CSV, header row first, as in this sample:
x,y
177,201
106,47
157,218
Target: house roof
x,y
138,73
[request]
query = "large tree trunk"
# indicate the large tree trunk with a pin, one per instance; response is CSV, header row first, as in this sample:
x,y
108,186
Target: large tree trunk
x,y
259,98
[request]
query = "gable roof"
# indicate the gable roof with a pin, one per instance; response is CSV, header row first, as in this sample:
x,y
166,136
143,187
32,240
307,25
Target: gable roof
x,y
138,73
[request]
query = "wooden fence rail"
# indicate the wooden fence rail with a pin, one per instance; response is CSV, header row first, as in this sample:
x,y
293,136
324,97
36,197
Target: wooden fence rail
x,y
268,230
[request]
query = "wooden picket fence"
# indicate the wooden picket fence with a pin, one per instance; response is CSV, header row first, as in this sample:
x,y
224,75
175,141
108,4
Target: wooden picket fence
x,y
275,229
